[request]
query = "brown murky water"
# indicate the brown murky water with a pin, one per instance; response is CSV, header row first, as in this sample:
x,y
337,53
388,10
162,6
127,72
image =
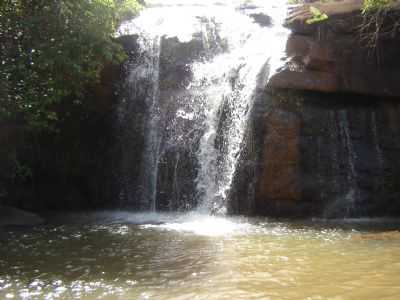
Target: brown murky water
x,y
152,256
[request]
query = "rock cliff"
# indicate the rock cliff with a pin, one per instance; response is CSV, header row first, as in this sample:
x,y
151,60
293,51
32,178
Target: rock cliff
x,y
348,52
326,155
330,135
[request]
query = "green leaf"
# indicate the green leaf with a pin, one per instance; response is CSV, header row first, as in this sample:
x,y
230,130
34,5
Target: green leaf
x,y
315,11
317,16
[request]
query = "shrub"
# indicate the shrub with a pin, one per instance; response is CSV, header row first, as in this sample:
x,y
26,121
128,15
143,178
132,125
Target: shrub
x,y
374,5
51,50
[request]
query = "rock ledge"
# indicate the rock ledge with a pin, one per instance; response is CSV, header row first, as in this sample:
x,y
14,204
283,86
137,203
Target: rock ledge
x,y
333,56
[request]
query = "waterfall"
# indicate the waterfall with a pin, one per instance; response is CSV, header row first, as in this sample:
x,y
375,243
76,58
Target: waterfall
x,y
353,194
379,153
207,61
152,140
343,161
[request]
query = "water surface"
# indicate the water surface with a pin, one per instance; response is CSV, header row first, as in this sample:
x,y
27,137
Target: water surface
x,y
151,256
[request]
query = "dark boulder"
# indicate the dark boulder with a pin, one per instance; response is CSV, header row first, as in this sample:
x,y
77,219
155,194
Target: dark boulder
x,y
10,216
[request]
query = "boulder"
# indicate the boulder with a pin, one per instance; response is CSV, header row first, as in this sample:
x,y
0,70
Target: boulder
x,y
10,216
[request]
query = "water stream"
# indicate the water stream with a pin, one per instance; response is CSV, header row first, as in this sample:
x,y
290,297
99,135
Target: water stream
x,y
353,194
224,51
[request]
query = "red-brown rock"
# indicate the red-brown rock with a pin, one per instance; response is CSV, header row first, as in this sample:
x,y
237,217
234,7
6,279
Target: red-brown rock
x,y
280,174
333,55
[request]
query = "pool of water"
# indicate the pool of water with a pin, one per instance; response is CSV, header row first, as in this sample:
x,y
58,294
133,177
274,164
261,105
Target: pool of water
x,y
120,255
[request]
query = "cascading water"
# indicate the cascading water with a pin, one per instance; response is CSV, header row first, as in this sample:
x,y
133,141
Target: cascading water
x,y
224,52
152,139
375,135
353,194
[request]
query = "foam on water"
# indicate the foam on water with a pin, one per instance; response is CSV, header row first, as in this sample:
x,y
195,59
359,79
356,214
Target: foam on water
x,y
205,225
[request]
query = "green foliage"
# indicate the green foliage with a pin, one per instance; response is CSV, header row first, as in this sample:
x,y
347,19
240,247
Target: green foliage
x,y
126,9
317,16
51,50
374,5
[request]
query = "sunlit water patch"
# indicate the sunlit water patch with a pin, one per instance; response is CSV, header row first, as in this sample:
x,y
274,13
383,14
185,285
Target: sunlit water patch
x,y
122,255
206,225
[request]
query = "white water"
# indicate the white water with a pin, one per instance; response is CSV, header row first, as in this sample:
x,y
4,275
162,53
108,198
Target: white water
x,y
238,57
352,195
148,71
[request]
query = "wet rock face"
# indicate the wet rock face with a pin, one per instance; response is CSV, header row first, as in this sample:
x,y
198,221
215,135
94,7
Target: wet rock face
x,y
332,154
8,139
178,142
157,127
327,156
280,157
339,54
175,57
262,19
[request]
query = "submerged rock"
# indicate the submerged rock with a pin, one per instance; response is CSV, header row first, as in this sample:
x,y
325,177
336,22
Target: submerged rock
x,y
10,216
